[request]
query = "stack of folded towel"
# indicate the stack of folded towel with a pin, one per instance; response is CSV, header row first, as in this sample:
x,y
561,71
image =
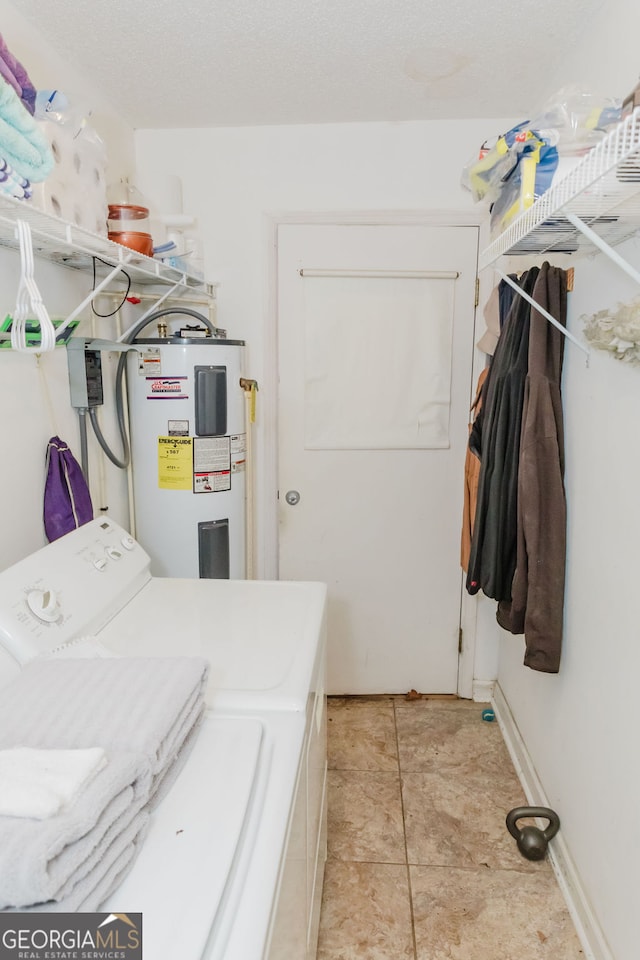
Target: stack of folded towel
x,y
25,154
105,739
23,145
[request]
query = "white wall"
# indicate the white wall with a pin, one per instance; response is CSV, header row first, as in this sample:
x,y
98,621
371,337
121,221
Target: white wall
x,y
34,394
34,399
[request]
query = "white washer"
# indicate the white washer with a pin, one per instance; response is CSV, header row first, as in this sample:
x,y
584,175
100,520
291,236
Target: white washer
x,y
232,866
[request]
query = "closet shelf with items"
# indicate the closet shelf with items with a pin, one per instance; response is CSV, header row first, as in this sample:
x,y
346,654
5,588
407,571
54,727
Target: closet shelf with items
x,y
71,246
35,233
595,206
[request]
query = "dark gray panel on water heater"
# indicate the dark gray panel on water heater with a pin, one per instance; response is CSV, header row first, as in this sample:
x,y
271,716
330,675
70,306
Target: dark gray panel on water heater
x,y
210,401
213,550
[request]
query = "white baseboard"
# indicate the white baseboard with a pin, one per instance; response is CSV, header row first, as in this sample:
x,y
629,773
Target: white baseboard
x,y
588,929
483,690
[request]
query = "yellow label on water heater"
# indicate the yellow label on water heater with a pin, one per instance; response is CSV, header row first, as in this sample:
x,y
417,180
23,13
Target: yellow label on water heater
x,y
175,463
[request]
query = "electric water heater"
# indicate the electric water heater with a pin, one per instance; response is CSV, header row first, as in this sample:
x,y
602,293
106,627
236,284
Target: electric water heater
x,y
188,454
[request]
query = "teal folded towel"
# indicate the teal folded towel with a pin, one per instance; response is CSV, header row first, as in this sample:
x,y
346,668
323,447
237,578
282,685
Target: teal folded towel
x,y
22,142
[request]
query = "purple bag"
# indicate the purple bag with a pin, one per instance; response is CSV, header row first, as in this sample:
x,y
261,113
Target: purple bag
x,y
67,501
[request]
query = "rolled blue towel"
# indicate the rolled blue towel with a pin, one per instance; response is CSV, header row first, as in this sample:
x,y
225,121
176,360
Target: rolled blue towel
x,y
22,142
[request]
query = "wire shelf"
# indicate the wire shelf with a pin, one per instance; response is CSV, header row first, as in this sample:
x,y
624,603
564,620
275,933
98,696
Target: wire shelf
x,y
602,190
74,247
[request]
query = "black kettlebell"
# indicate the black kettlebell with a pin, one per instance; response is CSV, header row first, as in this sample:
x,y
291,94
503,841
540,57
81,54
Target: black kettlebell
x,y
532,841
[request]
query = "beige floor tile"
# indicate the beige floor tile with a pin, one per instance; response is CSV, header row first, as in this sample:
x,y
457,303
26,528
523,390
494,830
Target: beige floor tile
x,y
366,913
479,914
361,735
459,821
454,737
365,817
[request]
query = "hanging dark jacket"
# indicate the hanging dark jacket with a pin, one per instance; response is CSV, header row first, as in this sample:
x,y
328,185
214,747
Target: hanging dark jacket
x,y
492,561
537,602
506,293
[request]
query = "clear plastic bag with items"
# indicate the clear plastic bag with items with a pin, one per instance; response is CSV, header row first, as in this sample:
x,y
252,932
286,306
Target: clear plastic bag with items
x,y
516,168
580,118
499,161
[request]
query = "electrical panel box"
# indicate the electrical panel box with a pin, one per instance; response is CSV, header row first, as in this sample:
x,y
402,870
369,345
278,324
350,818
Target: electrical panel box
x,y
85,376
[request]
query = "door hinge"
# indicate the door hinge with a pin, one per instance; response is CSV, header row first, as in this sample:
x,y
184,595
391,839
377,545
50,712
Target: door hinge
x,y
477,300
459,639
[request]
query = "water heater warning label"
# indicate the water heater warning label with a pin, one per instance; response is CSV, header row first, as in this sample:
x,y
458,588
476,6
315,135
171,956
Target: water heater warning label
x,y
175,463
211,464
238,452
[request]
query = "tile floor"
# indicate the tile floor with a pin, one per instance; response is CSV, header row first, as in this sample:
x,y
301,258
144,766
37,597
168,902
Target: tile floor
x,y
420,865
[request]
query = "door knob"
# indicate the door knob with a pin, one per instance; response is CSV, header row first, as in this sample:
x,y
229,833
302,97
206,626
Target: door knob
x,y
292,497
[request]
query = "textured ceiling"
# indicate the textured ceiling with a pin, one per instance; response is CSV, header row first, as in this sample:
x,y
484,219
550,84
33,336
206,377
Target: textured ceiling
x,y
197,63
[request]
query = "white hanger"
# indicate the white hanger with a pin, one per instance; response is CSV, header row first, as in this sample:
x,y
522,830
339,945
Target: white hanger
x,y
29,299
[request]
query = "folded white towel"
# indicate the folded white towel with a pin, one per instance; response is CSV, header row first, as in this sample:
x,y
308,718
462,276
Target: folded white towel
x,y
144,714
42,860
145,705
39,783
95,887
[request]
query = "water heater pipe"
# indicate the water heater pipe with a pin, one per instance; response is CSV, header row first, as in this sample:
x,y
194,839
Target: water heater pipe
x,y
249,387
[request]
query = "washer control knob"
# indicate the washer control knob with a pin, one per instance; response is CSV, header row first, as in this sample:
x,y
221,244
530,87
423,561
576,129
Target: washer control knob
x,y
44,605
100,563
128,543
113,553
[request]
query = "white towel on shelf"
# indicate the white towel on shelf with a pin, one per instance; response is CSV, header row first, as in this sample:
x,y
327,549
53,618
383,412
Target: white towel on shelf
x,y
39,783
144,713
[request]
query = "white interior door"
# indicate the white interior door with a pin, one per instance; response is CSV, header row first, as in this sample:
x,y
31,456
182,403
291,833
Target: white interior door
x,y
374,388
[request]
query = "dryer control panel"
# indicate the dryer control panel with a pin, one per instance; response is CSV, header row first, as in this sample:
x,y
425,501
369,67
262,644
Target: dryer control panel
x,y
70,588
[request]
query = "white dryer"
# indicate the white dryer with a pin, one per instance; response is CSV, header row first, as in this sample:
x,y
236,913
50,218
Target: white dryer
x,y
233,863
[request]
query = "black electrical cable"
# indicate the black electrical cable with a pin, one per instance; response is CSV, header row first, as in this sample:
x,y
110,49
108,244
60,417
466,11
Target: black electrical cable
x,y
123,301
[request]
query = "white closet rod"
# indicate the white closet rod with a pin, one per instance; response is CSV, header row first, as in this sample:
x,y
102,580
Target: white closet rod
x,y
541,310
378,274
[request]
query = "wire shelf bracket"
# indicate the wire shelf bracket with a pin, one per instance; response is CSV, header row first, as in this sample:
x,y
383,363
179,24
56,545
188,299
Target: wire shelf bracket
x,y
602,245
545,313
